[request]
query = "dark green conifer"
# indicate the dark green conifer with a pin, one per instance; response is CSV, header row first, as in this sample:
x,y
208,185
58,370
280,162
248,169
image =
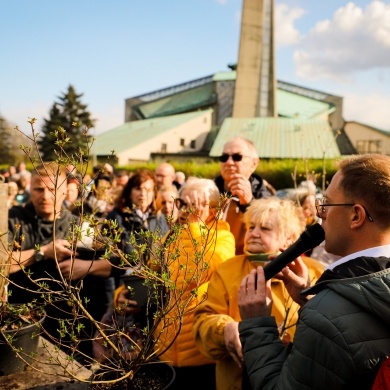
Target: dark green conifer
x,y
68,123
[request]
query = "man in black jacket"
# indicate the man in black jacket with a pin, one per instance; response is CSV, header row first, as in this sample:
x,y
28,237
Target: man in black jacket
x,y
239,161
342,334
39,233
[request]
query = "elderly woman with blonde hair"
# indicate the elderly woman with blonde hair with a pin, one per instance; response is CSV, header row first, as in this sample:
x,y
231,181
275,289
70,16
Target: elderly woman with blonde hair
x,y
204,243
272,225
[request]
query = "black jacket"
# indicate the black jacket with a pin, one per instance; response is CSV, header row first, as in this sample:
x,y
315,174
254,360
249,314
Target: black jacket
x,y
343,333
28,230
133,225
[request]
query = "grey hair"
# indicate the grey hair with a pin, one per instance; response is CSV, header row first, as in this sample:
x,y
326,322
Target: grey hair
x,y
205,186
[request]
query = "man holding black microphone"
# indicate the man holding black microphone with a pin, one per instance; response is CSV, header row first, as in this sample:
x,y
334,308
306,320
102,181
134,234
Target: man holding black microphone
x,y
343,331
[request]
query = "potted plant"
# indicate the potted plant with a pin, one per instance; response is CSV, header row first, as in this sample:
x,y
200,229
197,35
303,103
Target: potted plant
x,y
20,328
124,367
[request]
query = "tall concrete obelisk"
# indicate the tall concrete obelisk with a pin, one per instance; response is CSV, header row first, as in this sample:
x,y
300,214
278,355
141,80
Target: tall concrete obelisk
x,y
255,87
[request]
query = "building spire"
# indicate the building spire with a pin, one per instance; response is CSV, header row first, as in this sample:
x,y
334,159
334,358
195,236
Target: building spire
x,y
255,88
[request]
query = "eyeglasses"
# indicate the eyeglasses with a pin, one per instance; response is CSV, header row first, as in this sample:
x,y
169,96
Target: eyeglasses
x,y
180,204
235,156
321,204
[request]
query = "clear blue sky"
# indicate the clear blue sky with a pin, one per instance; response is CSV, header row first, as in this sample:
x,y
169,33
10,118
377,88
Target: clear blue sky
x,y
114,49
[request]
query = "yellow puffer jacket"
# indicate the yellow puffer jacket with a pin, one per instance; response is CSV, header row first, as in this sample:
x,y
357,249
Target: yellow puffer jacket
x,y
221,307
189,273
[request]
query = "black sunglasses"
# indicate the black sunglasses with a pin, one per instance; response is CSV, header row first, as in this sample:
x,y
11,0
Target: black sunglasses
x,y
235,156
180,204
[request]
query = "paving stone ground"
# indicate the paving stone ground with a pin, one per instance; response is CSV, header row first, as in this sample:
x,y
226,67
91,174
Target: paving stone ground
x,y
48,376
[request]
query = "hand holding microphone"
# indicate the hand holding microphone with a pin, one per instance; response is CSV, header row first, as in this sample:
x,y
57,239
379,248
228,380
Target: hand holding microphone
x,y
309,239
254,296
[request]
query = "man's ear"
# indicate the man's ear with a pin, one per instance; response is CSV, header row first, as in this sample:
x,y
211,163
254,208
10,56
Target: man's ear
x,y
358,216
255,163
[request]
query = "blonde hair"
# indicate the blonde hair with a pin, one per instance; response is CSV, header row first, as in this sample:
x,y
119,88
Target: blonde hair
x,y
289,218
205,186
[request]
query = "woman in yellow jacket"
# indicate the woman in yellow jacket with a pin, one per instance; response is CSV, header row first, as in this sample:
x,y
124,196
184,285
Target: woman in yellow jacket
x,y
204,243
272,224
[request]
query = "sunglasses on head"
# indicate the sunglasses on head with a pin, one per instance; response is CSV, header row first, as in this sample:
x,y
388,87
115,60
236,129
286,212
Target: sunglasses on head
x,y
235,156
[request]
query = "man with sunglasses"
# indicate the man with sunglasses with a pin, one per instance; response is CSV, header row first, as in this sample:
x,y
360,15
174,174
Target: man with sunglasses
x,y
239,161
342,334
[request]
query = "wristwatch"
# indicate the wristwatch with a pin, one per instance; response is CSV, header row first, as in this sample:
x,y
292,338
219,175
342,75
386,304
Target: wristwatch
x,y
39,256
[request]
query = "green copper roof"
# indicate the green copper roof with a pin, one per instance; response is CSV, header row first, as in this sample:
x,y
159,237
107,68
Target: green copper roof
x,y
291,105
135,133
225,76
292,101
177,103
281,137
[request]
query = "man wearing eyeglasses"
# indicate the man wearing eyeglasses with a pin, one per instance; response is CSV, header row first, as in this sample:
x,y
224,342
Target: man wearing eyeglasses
x,y
343,333
239,161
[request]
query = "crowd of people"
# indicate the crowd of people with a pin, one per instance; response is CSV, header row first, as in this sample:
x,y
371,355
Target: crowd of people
x,y
320,323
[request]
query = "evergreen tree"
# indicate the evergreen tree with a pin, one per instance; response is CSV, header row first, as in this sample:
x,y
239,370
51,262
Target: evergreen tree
x,y
5,142
10,142
68,120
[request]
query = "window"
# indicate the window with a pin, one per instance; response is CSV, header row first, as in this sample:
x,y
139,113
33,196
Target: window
x,y
193,144
369,146
374,146
164,148
182,142
360,146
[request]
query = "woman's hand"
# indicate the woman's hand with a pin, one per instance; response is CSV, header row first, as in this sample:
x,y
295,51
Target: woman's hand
x,y
233,343
296,278
125,305
198,206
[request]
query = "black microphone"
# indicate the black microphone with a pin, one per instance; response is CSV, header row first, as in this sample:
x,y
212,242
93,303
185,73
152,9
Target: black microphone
x,y
309,239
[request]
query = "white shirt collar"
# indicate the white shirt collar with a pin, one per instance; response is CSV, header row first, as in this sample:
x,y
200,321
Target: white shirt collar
x,y
377,251
142,215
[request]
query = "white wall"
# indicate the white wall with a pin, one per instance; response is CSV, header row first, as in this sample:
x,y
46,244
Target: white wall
x,y
361,134
195,129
